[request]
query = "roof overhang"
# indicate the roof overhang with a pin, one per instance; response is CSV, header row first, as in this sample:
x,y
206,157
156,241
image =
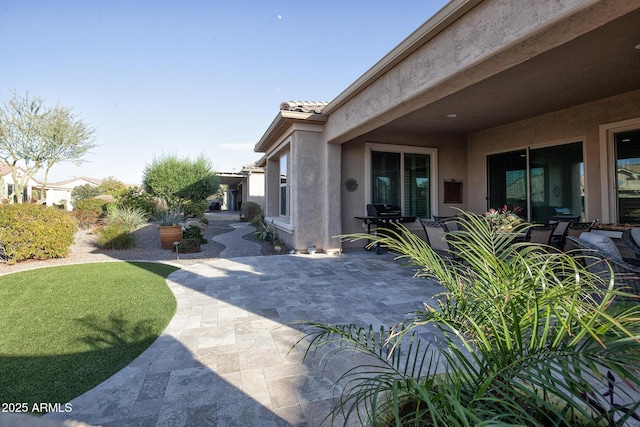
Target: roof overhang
x,y
588,51
231,179
282,124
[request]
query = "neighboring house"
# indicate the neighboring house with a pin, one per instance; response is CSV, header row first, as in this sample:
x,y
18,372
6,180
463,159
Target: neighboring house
x,y
7,184
248,185
59,193
534,103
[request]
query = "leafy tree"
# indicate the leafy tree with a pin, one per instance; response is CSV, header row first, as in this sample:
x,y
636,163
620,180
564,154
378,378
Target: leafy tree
x,y
177,181
34,136
112,186
85,191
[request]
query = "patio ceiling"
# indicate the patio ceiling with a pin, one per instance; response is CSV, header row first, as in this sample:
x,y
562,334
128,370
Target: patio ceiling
x,y
602,63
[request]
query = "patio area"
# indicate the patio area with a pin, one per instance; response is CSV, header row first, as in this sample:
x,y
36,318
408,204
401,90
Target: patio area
x,y
225,357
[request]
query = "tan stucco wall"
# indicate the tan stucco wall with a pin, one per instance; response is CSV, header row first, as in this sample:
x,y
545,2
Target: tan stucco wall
x,y
452,164
254,190
575,124
313,181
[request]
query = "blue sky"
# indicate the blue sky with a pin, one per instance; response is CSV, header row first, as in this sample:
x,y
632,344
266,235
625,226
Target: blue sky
x,y
190,77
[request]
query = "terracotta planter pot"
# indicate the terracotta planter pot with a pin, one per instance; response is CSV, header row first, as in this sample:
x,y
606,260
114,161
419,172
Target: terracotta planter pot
x,y
170,234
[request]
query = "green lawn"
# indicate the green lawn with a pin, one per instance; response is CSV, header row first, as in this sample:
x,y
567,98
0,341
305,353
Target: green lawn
x,y
66,329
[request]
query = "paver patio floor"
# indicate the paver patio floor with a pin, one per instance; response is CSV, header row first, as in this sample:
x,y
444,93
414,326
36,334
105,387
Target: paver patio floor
x,y
225,357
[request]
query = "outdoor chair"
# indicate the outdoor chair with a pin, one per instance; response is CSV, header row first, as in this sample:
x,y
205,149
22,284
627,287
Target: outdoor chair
x,y
541,234
450,221
436,237
631,237
575,229
562,222
597,251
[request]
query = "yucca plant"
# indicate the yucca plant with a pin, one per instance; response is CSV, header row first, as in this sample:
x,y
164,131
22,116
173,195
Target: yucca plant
x,y
129,218
527,336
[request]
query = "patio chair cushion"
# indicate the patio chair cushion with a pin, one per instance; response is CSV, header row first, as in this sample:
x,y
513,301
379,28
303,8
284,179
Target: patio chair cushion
x,y
635,234
603,243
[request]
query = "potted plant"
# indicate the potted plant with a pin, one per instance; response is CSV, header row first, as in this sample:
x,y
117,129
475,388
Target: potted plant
x,y
170,229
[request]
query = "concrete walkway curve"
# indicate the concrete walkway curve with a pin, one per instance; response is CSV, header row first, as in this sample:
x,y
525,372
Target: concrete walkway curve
x,y
225,359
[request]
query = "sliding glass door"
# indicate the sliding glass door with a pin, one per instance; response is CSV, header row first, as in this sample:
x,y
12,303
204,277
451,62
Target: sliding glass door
x,y
544,182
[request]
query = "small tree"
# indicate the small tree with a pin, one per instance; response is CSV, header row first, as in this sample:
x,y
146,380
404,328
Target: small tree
x,y
113,186
34,136
177,180
85,191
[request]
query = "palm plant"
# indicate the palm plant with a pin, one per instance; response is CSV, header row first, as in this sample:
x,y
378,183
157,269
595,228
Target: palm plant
x,y
529,337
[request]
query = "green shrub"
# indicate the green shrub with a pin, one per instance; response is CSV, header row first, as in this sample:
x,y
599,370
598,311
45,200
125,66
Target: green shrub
x,y
30,231
127,217
194,232
195,208
266,231
189,246
251,211
90,212
137,198
116,236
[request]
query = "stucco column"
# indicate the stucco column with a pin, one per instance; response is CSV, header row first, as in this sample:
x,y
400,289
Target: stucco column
x,y
332,213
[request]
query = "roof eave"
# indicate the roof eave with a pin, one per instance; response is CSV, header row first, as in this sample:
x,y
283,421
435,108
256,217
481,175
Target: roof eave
x,y
427,31
282,121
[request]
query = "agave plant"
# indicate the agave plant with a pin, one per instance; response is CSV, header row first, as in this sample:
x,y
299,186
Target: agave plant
x,y
527,336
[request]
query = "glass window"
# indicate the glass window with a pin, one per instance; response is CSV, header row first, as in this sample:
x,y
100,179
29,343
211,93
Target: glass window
x,y
402,179
557,177
508,180
417,187
627,146
284,206
385,173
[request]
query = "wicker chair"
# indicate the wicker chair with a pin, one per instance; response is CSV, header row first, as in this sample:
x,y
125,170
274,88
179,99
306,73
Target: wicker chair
x,y
626,276
630,242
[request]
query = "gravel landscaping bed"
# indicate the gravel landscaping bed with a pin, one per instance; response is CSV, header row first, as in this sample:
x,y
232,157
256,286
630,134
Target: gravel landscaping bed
x,y
86,249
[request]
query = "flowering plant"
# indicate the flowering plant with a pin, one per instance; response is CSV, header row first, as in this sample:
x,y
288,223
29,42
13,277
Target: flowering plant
x,y
503,219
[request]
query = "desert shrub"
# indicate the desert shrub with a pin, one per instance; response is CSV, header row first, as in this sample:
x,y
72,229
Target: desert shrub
x,y
31,231
116,236
194,232
265,231
90,212
129,218
137,198
189,245
195,208
251,211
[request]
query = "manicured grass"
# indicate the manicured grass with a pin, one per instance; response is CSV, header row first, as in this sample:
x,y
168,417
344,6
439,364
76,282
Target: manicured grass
x,y
64,330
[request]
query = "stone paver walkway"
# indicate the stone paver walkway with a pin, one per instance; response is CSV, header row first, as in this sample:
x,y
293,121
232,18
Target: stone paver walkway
x,y
235,245
225,359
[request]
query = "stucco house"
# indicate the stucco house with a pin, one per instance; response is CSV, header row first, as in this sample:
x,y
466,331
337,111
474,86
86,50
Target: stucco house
x,y
527,103
244,186
7,184
59,193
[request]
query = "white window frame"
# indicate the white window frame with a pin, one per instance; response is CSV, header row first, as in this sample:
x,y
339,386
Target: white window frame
x,y
285,185
402,149
608,170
